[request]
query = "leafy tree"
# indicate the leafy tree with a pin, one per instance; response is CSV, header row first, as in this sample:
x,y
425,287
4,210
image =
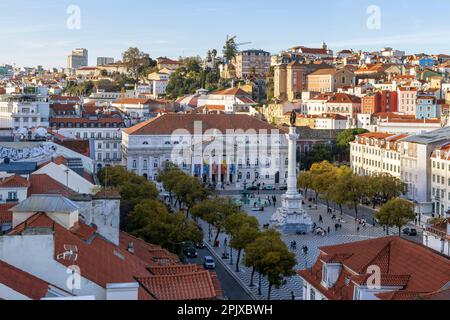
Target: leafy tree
x,y
230,49
338,195
270,257
387,187
215,211
351,189
344,138
396,213
151,221
319,171
190,77
318,153
137,62
132,188
189,191
243,230
304,181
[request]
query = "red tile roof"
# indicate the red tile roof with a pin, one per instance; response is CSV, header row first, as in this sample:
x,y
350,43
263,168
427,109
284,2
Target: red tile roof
x,y
132,101
343,98
22,282
230,92
43,184
103,262
5,214
14,181
185,286
168,123
79,146
428,273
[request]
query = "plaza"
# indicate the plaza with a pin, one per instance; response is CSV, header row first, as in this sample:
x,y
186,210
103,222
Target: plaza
x,y
348,233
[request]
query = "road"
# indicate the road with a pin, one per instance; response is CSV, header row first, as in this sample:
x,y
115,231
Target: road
x,y
231,288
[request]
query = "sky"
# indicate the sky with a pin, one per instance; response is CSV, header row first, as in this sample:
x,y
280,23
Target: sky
x,y
43,32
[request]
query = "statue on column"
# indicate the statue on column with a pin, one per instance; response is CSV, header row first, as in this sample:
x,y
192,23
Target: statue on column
x,y
293,118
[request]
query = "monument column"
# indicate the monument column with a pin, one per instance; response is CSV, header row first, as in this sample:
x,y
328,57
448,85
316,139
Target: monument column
x,y
290,217
292,164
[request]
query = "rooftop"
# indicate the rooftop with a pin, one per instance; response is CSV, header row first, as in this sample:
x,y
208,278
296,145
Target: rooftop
x,y
168,123
45,203
429,273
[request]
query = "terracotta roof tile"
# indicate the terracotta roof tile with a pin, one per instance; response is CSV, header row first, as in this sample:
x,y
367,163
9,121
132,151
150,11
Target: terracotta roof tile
x,y
5,214
22,282
14,181
429,273
188,286
44,184
168,123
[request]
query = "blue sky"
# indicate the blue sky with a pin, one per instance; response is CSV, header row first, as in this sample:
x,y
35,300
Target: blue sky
x,y
35,32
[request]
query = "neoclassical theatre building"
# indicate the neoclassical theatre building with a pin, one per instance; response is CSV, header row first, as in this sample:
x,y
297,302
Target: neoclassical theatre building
x,y
217,148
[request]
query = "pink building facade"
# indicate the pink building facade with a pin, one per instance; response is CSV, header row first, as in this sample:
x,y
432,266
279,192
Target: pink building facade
x,y
407,100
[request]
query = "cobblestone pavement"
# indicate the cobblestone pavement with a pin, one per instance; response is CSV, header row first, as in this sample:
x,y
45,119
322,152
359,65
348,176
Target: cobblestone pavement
x,y
348,233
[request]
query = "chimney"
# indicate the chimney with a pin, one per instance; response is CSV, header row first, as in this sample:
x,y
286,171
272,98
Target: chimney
x,y
122,291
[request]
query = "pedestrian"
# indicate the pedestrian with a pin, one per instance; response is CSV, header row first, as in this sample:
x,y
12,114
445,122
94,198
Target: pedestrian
x,y
328,229
357,229
336,227
225,242
320,219
340,226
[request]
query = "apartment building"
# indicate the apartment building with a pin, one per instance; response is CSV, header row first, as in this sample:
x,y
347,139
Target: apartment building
x,y
102,128
77,59
329,80
406,157
407,99
336,103
440,180
427,107
252,63
22,112
376,153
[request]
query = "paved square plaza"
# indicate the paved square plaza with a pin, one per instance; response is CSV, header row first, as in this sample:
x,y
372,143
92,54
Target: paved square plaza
x,y
348,233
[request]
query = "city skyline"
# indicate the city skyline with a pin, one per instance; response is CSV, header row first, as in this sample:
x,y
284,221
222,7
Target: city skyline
x,y
186,29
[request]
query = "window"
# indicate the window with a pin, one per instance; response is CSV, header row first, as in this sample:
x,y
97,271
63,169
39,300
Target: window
x,y
248,176
12,195
134,164
312,294
99,157
145,164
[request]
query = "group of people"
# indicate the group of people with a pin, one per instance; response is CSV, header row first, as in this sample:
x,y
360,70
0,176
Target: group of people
x,y
293,245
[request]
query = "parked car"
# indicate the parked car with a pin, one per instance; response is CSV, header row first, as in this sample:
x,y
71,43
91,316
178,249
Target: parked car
x,y
252,188
208,262
410,232
268,188
200,245
190,252
283,188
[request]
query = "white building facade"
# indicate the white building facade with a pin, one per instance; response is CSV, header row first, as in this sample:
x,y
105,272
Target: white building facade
x,y
217,148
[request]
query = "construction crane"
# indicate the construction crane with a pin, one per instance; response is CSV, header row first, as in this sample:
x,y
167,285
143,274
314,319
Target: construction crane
x,y
237,44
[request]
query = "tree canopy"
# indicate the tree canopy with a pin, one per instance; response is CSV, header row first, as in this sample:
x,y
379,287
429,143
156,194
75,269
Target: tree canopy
x,y
138,63
396,213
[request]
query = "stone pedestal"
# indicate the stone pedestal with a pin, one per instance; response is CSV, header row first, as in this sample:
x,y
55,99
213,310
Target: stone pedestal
x,y
290,217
